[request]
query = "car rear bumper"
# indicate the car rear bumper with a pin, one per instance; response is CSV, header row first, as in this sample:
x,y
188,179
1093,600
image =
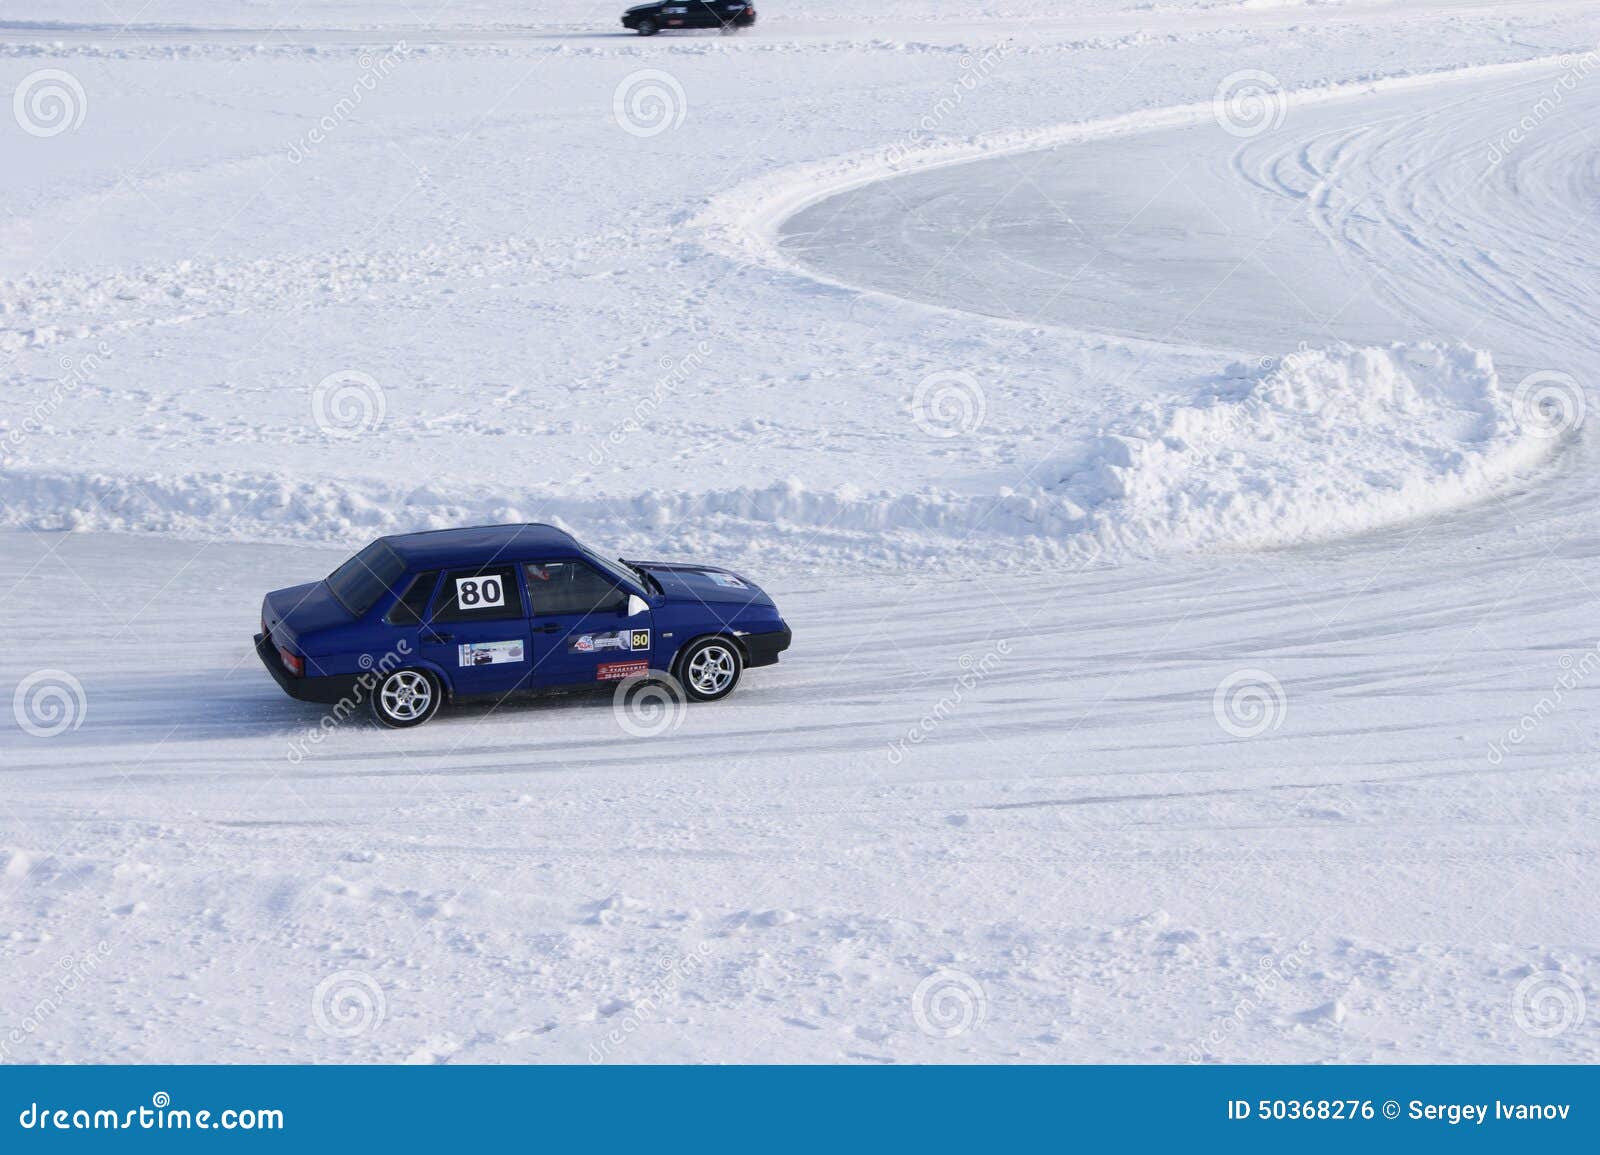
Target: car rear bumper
x,y
763,649
323,690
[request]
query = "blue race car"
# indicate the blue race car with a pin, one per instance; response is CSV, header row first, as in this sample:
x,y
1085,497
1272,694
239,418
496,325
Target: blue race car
x,y
419,618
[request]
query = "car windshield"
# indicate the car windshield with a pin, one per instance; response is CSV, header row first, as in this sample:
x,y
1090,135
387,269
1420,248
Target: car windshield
x,y
610,569
361,581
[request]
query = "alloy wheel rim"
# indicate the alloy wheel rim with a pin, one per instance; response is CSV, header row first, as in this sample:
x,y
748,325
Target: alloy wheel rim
x,y
406,695
712,669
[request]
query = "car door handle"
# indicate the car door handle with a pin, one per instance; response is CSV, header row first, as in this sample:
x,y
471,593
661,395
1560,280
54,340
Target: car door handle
x,y
432,636
548,629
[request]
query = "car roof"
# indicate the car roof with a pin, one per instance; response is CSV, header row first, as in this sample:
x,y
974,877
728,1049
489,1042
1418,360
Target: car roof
x,y
481,544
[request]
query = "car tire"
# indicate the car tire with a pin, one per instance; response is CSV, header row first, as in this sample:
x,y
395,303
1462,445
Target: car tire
x,y
648,27
406,698
710,669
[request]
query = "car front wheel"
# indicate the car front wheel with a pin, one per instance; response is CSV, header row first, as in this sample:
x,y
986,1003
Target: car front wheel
x,y
406,698
710,669
648,27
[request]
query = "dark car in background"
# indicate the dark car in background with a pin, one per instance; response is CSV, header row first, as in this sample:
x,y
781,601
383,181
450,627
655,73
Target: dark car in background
x,y
648,19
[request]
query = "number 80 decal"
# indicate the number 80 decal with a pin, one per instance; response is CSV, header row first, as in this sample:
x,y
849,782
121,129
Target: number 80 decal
x,y
480,593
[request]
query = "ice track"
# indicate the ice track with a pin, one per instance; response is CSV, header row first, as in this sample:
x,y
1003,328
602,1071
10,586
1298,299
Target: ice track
x,y
1074,827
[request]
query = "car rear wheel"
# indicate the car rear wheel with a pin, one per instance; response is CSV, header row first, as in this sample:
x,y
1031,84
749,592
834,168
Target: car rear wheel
x,y
710,669
648,27
406,698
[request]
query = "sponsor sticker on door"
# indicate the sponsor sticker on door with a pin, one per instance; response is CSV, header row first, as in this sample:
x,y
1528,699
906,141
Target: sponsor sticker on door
x,y
611,640
616,671
490,653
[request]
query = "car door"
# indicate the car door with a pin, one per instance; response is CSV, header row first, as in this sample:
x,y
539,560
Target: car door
x,y
477,630
581,628
704,14
684,14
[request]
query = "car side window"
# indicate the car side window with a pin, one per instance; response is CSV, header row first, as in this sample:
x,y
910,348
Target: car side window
x,y
572,587
408,610
479,594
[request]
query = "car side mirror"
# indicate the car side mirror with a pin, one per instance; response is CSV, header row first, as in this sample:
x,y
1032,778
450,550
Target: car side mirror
x,y
637,605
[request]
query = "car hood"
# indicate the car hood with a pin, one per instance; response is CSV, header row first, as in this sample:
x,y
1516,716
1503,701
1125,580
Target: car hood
x,y
704,583
292,613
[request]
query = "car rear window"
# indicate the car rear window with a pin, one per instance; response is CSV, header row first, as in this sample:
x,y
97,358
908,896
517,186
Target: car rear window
x,y
361,581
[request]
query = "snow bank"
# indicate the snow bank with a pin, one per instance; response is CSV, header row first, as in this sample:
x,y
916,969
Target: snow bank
x,y
784,522
1322,444
1325,443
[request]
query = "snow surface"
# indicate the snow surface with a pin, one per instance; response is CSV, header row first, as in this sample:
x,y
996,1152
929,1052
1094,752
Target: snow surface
x,y
997,346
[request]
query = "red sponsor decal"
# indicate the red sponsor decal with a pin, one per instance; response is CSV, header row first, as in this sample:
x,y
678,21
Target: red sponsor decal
x,y
616,671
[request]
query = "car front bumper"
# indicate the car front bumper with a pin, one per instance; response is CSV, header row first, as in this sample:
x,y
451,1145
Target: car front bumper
x,y
322,690
763,649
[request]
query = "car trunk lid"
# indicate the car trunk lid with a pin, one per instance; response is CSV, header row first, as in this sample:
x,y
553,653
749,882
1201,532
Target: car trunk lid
x,y
287,615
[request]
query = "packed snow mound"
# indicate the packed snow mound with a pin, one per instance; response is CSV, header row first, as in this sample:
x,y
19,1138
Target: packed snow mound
x,y
1320,444
780,525
1324,443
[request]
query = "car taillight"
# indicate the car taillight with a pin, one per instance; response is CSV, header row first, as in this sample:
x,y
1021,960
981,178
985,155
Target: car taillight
x,y
294,664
